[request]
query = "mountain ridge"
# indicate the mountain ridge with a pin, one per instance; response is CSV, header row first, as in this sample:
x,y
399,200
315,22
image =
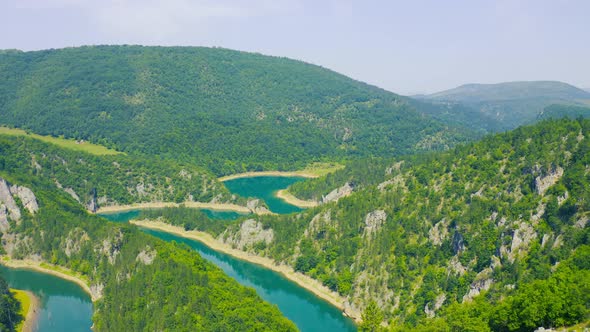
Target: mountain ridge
x,y
229,111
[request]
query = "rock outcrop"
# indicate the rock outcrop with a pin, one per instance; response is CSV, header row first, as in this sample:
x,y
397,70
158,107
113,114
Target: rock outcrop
x,y
250,233
146,256
374,220
542,183
8,201
9,209
438,233
254,206
26,197
338,193
482,282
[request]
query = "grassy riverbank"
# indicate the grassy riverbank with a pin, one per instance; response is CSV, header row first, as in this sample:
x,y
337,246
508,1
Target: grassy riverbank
x,y
302,280
55,270
29,309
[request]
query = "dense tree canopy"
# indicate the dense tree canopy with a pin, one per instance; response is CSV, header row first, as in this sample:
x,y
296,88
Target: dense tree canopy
x,y
230,111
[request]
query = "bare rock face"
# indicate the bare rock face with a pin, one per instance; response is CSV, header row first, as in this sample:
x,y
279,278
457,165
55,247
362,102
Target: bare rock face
x,y
4,225
374,220
27,197
521,240
338,193
251,232
8,201
482,282
146,256
438,233
438,302
543,183
72,193
256,208
96,291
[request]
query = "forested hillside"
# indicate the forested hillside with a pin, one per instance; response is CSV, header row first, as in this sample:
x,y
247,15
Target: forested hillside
x,y
229,111
135,277
490,236
96,181
557,111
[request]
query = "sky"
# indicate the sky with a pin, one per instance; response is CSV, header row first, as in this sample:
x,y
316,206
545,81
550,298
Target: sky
x,y
407,47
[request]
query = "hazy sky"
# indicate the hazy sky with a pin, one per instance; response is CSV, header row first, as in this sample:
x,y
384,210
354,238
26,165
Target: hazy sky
x,y
403,46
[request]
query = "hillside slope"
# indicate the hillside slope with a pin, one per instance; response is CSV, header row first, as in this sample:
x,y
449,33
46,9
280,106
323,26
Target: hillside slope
x,y
99,181
227,110
134,277
504,106
457,238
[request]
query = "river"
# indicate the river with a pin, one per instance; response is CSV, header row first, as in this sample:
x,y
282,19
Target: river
x,y
63,305
307,311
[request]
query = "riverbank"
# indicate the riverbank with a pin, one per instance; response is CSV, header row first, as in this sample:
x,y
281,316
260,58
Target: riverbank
x,y
304,174
55,270
302,280
160,205
286,196
29,309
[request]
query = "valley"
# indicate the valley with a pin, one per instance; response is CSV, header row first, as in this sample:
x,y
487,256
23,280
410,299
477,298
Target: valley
x,y
278,195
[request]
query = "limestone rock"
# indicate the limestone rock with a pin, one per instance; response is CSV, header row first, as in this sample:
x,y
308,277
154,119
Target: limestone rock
x,y
254,206
482,283
543,183
146,256
72,193
438,233
4,225
520,240
27,198
438,302
374,220
250,233
338,193
8,201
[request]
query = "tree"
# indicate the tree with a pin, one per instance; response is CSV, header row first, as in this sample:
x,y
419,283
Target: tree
x,y
372,317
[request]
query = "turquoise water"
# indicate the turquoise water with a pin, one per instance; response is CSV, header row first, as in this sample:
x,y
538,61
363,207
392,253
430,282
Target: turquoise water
x,y
64,306
302,307
265,188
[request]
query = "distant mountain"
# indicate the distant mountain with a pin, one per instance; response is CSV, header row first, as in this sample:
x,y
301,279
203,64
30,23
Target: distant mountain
x,y
512,91
226,110
507,105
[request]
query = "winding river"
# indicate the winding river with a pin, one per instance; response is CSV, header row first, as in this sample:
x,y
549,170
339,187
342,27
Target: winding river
x,y
307,311
64,306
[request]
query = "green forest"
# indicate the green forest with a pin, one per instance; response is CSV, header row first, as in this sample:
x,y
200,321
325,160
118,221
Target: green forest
x,y
226,110
63,233
110,180
487,236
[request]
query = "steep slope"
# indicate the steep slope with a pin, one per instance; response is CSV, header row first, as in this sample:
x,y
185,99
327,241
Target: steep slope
x,y
504,105
97,181
230,111
457,238
133,277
